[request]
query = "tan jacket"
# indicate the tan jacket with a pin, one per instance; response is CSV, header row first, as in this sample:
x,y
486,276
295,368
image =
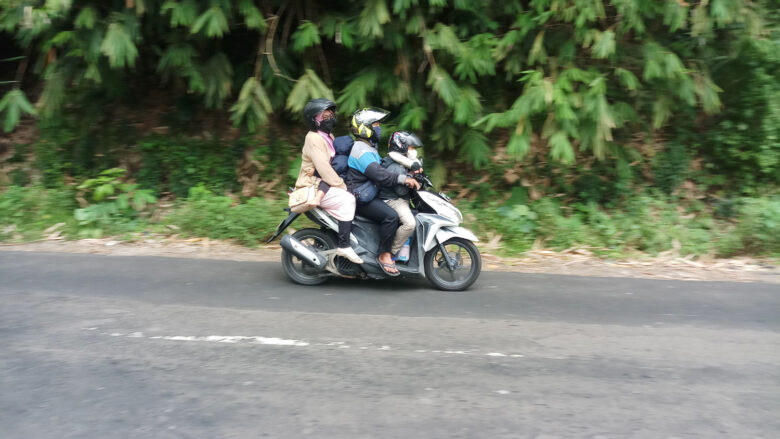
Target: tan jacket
x,y
316,155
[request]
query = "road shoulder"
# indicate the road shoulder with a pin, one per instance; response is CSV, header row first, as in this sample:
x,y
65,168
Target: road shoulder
x,y
580,262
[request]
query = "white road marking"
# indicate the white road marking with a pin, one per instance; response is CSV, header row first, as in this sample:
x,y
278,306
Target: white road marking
x,y
275,341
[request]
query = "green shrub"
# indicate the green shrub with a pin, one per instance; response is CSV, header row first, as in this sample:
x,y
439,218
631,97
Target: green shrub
x,y
176,164
25,212
757,229
647,223
206,214
115,206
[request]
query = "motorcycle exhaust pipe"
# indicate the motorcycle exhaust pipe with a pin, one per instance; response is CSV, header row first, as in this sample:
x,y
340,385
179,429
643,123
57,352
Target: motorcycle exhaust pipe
x,y
304,252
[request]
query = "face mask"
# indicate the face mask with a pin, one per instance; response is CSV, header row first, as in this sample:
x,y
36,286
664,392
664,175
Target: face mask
x,y
327,125
412,154
377,132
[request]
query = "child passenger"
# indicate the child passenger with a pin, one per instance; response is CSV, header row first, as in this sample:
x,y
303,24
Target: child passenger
x,y
402,157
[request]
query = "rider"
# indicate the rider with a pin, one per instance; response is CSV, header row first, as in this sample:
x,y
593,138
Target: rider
x,y
364,165
320,118
402,156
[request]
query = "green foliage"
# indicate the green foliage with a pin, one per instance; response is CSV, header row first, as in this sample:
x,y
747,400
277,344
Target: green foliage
x,y
253,18
118,45
583,91
757,229
307,35
176,165
670,167
646,223
308,87
114,201
252,106
13,104
26,212
212,22
583,76
206,214
744,141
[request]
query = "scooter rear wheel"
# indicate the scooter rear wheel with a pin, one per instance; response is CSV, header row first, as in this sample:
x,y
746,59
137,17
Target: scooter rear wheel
x,y
467,265
299,271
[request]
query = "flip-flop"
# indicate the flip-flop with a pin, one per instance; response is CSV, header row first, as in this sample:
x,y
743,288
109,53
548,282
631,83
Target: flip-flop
x,y
385,266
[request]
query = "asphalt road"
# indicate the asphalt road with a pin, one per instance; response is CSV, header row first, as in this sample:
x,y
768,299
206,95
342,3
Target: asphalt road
x,y
96,346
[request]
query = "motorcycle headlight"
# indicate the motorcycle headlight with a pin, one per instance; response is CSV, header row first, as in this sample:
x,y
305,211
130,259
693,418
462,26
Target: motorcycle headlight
x,y
446,210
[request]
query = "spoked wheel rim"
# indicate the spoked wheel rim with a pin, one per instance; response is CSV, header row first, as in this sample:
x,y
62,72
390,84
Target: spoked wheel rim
x,y
465,263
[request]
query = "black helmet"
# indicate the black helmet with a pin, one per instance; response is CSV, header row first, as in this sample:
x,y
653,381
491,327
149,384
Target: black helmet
x,y
400,141
360,125
315,107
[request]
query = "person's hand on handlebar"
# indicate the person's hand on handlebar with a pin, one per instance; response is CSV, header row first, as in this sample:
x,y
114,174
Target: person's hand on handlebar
x,y
412,183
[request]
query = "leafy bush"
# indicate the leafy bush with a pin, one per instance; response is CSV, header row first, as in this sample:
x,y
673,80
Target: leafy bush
x,y
25,212
757,229
115,202
206,214
175,165
743,141
646,223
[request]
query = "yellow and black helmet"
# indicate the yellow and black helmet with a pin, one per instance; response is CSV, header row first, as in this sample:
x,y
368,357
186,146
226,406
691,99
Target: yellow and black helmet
x,y
362,119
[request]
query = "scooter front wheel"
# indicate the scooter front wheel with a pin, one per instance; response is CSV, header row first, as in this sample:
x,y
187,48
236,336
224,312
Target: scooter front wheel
x,y
299,271
465,264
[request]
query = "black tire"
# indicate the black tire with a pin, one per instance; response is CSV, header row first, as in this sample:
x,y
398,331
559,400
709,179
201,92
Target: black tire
x,y
299,271
468,265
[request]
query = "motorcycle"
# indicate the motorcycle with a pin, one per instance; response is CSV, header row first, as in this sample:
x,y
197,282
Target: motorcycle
x,y
441,250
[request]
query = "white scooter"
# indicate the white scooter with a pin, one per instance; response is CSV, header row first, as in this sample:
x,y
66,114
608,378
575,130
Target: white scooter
x,y
441,250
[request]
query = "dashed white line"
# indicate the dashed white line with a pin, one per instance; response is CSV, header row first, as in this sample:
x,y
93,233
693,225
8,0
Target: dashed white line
x,y
275,341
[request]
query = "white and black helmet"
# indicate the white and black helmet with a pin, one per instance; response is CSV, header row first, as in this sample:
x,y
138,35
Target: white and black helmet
x,y
400,141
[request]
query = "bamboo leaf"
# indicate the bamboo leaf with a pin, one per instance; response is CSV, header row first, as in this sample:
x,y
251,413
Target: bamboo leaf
x,y
443,85
519,144
474,148
213,22
355,93
412,117
14,104
401,6
217,76
372,18
627,79
252,106
253,18
537,53
475,58
118,46
676,15
467,106
306,36
444,38
605,45
85,19
560,148
662,110
707,91
308,87
183,13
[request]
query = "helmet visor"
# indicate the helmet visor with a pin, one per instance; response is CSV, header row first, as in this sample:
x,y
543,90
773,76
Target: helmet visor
x,y
413,141
373,114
